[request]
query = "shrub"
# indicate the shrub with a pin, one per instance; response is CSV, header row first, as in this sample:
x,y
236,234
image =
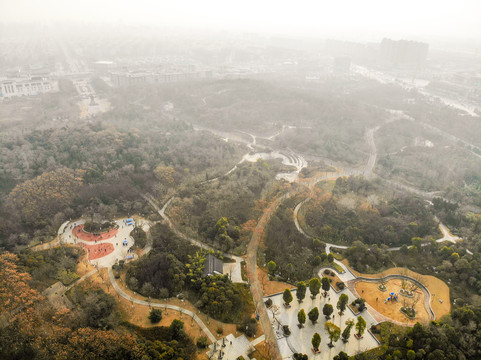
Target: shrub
x,y
155,316
298,356
202,342
163,293
340,285
67,277
268,303
359,303
248,326
94,227
220,330
140,238
316,261
286,330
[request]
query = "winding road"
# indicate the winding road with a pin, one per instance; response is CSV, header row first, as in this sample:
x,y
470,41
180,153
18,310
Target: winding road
x,y
256,290
252,248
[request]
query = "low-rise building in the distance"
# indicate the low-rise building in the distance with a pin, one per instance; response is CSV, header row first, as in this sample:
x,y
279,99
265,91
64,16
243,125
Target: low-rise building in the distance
x,y
26,86
122,78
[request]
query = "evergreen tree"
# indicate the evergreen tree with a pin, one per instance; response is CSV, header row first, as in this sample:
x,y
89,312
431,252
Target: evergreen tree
x,y
314,286
342,303
301,291
316,341
327,310
287,296
313,314
301,317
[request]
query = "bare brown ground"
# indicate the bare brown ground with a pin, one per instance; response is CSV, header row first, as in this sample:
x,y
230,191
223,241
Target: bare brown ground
x,y
438,288
83,266
271,287
261,352
376,297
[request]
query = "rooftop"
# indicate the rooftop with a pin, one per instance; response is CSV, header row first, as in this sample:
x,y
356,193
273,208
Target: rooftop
x,y
213,266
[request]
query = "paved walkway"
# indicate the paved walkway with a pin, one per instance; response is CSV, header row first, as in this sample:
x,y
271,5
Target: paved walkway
x,y
55,292
117,288
300,339
120,251
46,246
233,269
257,341
447,236
347,274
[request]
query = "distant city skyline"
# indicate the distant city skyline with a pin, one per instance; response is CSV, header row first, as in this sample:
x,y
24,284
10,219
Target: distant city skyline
x,y
370,20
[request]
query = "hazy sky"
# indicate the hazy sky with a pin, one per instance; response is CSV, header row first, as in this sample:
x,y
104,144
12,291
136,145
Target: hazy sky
x,y
361,19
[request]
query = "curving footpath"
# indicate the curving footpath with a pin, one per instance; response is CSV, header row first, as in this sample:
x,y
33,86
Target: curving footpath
x,y
117,288
150,199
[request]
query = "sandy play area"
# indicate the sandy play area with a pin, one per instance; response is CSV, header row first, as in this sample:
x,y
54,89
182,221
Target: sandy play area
x,y
376,298
440,299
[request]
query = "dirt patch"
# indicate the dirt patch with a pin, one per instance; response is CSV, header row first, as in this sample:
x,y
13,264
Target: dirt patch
x,y
261,352
83,266
391,309
271,287
440,299
79,232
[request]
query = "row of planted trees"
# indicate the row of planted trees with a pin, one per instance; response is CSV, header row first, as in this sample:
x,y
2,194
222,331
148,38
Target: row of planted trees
x,y
334,331
315,286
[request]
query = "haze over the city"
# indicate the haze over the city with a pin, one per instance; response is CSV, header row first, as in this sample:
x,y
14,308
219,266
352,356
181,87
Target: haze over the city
x,y
429,20
249,180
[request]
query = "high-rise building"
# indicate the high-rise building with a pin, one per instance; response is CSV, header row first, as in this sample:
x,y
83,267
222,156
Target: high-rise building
x,y
403,53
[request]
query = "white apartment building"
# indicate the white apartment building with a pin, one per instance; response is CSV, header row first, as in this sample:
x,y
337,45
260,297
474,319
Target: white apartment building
x,y
26,86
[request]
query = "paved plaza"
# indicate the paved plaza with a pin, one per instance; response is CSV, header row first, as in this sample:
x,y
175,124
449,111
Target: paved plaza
x,y
106,249
300,339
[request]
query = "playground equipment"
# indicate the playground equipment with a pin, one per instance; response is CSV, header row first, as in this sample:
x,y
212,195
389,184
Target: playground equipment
x,y
393,297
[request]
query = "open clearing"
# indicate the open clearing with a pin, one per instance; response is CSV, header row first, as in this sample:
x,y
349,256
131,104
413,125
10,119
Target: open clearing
x,y
440,301
375,297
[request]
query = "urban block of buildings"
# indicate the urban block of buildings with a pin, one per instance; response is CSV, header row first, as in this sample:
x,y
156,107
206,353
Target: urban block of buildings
x,y
122,78
27,86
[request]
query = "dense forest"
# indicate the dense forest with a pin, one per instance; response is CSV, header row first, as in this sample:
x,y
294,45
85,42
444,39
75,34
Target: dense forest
x,y
51,176
53,169
295,255
198,207
31,328
357,210
454,337
174,267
